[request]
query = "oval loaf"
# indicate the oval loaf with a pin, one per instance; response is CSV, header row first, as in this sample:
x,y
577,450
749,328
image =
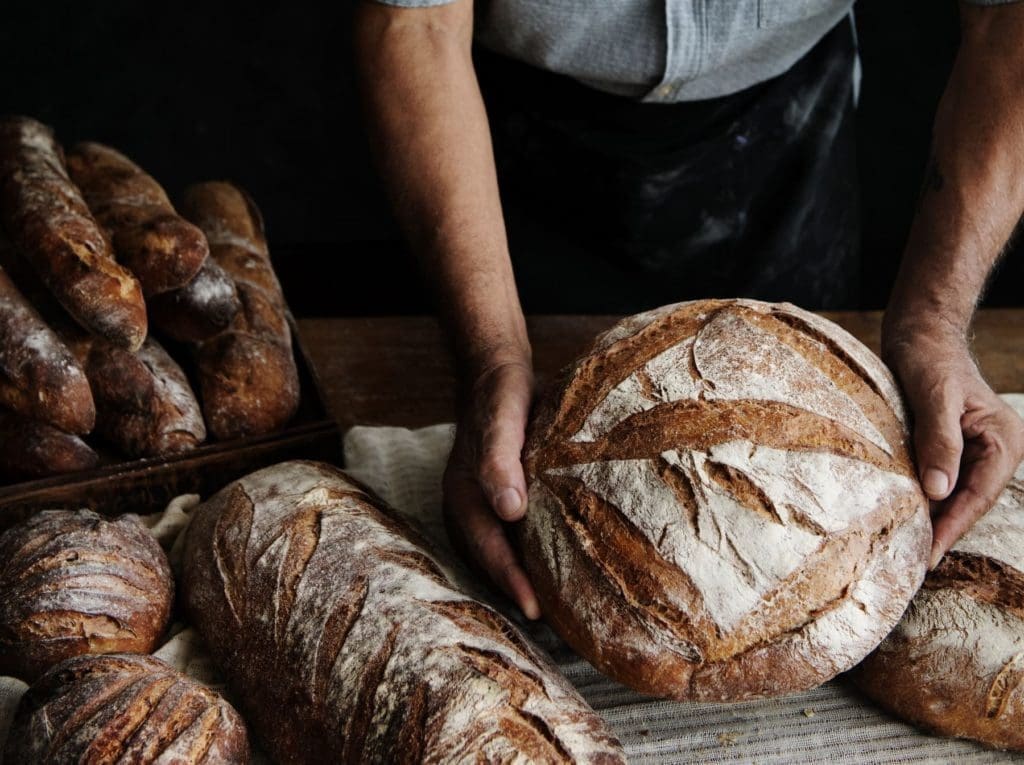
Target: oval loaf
x,y
346,641
74,583
721,502
93,710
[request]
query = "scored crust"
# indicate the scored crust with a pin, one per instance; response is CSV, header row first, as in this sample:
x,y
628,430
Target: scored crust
x,y
346,639
955,663
722,503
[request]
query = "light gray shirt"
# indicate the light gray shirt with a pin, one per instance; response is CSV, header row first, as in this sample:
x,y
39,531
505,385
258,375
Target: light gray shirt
x,y
659,51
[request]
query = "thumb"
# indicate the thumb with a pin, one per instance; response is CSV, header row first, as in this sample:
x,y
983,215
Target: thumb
x,y
938,443
503,412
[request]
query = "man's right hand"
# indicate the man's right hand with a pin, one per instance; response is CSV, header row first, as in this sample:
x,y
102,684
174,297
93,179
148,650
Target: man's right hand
x,y
484,485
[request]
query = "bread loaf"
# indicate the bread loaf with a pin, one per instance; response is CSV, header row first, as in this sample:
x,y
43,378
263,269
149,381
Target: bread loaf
x,y
346,641
162,250
93,710
74,583
39,377
47,219
32,449
145,406
248,381
204,307
722,503
955,663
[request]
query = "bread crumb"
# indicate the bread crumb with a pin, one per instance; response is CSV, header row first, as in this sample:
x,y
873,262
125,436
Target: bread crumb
x,y
808,712
729,738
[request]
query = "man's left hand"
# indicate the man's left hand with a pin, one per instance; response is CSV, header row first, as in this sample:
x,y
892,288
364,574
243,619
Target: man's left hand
x,y
968,441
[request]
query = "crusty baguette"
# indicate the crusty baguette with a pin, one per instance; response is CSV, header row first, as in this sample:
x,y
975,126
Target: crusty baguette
x,y
144,404
247,376
32,449
162,249
345,640
39,376
204,307
722,502
100,710
74,583
47,219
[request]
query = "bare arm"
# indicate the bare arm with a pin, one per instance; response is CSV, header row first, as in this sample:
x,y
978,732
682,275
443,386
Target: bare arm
x,y
968,442
431,138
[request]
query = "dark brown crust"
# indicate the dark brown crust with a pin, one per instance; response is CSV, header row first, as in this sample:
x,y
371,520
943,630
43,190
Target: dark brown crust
x,y
31,449
145,406
123,708
620,574
249,586
39,377
162,249
204,307
47,219
247,375
73,583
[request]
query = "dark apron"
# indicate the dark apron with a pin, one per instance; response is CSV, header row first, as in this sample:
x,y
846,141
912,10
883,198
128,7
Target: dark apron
x,y
613,205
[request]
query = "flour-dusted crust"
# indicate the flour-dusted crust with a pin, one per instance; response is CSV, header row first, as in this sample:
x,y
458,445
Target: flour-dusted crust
x,y
145,405
204,307
722,503
124,709
74,583
163,250
955,663
347,641
39,377
247,375
48,221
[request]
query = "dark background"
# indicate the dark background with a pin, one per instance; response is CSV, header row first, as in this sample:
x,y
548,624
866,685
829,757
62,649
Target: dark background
x,y
266,97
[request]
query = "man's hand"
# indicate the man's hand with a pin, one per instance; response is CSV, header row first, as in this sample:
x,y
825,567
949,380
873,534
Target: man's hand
x,y
967,440
484,483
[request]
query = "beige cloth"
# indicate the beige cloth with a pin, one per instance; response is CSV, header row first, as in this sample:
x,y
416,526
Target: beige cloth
x,y
830,724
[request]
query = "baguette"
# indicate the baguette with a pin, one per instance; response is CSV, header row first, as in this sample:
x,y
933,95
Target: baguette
x,y
145,406
345,640
162,250
94,710
39,376
247,376
204,307
31,449
47,219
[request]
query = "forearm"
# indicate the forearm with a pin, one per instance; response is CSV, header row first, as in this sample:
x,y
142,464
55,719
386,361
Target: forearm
x,y
430,134
972,197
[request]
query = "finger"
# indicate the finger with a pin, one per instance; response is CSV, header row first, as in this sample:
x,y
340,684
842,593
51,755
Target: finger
x,y
480,538
988,465
938,442
502,433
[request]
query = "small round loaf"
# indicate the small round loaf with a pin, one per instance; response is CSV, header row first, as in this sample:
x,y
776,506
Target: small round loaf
x,y
75,582
124,709
722,503
955,663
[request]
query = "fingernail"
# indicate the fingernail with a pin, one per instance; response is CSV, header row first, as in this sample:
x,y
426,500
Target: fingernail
x,y
935,559
935,482
508,503
531,610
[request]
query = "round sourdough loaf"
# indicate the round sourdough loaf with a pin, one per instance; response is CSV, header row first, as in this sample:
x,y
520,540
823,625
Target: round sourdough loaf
x,y
75,582
722,504
124,709
955,663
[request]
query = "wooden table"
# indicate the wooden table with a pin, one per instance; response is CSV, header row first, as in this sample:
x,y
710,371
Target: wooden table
x,y
398,370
